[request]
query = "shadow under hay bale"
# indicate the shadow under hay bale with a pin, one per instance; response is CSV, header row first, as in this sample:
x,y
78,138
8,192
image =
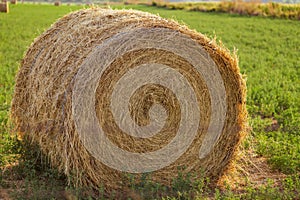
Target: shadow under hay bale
x,y
4,7
111,92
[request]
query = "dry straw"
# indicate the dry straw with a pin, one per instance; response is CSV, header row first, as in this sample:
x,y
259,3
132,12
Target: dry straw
x,y
4,7
108,92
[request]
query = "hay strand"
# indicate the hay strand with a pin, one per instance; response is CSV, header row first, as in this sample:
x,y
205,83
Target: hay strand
x,y
108,92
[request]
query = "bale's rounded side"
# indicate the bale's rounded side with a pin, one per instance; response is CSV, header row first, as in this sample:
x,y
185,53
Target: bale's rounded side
x,y
108,92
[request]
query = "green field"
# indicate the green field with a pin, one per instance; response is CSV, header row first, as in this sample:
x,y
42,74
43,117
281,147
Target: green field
x,y
269,57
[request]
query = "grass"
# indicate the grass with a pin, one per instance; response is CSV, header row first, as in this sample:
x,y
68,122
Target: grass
x,y
250,8
269,52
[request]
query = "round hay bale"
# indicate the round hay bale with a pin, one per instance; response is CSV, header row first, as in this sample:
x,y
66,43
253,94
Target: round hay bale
x,y
57,3
108,92
4,7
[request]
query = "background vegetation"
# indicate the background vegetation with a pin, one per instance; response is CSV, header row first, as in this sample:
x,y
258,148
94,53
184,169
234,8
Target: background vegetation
x,y
251,8
269,52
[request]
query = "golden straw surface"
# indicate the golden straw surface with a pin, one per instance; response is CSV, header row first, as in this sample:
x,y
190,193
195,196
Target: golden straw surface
x,y
108,92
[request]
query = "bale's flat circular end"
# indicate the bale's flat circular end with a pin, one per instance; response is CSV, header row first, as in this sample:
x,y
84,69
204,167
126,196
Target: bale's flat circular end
x,y
108,92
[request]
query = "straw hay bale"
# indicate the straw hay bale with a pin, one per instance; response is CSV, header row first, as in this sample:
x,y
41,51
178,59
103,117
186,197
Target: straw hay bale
x,y
108,92
57,3
4,7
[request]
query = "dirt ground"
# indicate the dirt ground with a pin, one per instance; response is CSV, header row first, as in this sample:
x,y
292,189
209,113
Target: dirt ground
x,y
249,168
